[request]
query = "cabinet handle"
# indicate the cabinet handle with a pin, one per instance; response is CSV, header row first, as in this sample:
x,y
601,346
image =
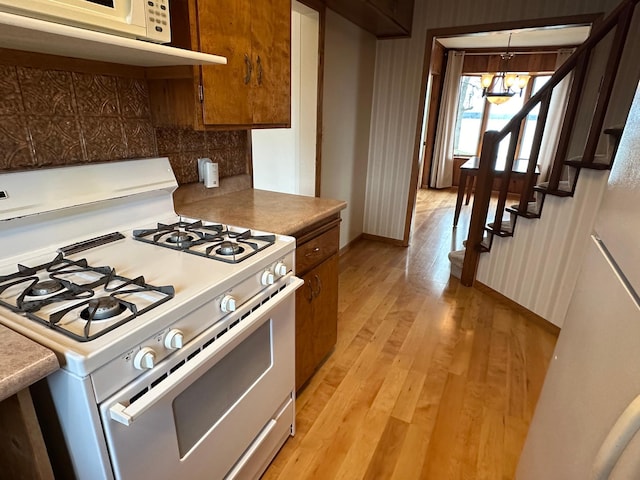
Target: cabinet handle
x,y
259,70
310,296
249,68
312,252
316,292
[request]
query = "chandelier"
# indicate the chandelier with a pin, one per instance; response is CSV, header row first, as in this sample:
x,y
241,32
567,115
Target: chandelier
x,y
500,87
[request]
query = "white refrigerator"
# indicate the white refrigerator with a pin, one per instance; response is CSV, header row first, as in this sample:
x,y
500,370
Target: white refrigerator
x,y
588,415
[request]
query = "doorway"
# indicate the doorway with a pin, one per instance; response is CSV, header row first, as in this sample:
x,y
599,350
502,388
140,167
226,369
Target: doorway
x,y
438,41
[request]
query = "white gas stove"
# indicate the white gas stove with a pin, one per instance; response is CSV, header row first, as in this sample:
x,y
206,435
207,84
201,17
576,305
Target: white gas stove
x,y
171,331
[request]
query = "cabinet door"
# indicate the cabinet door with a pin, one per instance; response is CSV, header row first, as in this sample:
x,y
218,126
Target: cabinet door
x,y
316,318
271,55
225,29
325,307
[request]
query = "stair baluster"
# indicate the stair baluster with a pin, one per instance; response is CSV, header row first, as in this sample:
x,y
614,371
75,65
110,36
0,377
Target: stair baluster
x,y
620,19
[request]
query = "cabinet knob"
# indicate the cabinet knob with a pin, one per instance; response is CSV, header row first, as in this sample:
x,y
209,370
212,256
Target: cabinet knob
x,y
312,252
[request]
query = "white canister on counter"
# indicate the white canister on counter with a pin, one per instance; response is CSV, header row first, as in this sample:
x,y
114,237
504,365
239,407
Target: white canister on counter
x,y
211,178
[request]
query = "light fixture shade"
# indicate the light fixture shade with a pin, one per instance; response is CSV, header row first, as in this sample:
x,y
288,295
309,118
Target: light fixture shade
x,y
486,79
523,80
510,79
499,98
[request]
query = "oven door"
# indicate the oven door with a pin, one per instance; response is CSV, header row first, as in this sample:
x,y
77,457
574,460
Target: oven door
x,y
214,402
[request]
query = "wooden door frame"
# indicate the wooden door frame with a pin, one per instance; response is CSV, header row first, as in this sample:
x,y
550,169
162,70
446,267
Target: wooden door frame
x,y
432,34
319,6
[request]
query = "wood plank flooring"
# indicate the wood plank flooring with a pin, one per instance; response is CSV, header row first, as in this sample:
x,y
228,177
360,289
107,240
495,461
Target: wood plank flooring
x,y
428,380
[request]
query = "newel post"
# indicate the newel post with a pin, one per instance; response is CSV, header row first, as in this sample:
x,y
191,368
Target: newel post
x,y
481,199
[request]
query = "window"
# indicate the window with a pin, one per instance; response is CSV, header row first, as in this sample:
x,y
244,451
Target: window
x,y
476,116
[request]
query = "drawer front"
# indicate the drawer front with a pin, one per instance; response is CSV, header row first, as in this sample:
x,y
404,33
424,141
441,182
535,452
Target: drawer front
x,y
316,250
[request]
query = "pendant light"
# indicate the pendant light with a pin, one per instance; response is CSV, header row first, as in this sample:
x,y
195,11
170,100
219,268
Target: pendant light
x,y
499,88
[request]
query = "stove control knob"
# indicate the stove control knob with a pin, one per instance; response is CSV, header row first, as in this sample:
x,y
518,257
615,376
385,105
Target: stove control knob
x,y
174,339
267,278
228,304
144,359
281,269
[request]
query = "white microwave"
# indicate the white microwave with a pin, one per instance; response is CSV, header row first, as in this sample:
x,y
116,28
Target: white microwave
x,y
142,19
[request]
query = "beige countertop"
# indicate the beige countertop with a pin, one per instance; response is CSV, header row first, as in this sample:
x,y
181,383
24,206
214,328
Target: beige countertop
x,y
260,209
22,362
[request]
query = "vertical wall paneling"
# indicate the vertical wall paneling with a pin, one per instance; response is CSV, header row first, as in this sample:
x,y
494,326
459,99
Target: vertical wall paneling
x,y
397,88
538,267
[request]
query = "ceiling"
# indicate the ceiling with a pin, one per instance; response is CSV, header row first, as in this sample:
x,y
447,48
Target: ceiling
x,y
528,37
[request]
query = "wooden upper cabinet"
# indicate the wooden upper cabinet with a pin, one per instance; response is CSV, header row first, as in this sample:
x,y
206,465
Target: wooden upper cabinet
x,y
253,89
271,44
383,18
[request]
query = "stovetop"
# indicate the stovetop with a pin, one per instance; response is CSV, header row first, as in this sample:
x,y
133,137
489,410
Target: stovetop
x,y
207,239
108,217
79,300
168,283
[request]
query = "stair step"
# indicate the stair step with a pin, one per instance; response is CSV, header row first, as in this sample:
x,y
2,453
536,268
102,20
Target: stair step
x,y
506,229
591,166
532,210
485,245
564,189
614,132
456,258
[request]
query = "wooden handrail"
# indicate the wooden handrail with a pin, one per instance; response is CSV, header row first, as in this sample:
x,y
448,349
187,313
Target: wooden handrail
x,y
598,33
620,19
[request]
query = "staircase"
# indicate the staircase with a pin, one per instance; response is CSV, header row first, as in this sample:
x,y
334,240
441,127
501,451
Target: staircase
x,y
565,169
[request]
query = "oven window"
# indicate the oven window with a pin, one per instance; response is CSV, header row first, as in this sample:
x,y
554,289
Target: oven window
x,y
205,402
106,3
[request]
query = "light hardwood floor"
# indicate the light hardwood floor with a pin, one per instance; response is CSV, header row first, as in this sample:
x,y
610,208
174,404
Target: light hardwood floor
x,y
428,380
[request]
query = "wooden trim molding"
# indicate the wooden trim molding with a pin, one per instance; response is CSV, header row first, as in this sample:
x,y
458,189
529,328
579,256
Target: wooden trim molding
x,y
392,241
431,36
351,244
525,312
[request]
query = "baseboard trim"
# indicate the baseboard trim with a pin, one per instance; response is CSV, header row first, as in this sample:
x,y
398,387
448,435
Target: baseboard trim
x,y
392,241
532,317
350,245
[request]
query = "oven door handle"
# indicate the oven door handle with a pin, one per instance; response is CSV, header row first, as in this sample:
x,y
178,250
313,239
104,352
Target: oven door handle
x,y
127,414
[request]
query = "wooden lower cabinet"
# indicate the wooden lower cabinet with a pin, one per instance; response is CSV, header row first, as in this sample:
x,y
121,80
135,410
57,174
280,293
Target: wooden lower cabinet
x,y
316,318
317,299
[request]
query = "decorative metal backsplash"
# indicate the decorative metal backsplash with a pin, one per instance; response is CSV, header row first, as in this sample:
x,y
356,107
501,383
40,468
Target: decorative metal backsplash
x,y
55,117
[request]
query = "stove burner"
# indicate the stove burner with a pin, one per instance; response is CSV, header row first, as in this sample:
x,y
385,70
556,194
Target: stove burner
x,y
229,248
45,287
102,308
179,238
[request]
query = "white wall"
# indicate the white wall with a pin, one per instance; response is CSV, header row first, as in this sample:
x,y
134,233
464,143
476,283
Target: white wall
x,y
398,75
348,88
284,159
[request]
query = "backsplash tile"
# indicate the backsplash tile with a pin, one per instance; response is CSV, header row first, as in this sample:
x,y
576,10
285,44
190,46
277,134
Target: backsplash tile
x,y
139,138
56,140
57,117
134,98
46,92
14,143
185,146
104,138
10,99
97,95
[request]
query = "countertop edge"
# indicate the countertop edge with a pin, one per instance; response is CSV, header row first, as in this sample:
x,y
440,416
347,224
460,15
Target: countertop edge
x,y
22,362
281,213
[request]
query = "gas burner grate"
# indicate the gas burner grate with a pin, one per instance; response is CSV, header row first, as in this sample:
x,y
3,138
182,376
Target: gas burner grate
x,y
67,287
206,240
